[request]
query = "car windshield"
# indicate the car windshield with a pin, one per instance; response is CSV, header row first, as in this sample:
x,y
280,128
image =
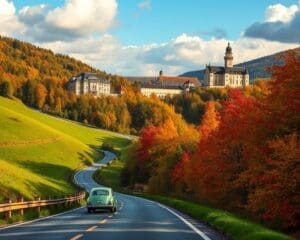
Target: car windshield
x,y
100,192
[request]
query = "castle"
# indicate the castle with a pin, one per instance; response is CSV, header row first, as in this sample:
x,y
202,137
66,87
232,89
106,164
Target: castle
x,y
218,76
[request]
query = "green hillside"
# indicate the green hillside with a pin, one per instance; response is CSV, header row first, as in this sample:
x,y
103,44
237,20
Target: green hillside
x,y
39,153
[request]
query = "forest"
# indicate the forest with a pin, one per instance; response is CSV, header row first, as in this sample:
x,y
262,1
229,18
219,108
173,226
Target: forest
x,y
244,156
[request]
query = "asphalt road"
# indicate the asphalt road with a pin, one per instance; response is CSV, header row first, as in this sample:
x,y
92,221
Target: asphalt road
x,y
135,219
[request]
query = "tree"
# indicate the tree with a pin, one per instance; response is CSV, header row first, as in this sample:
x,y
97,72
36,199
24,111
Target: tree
x,y
28,92
57,108
6,89
210,120
40,95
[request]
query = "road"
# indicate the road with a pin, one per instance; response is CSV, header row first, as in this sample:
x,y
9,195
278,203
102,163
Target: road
x,y
135,219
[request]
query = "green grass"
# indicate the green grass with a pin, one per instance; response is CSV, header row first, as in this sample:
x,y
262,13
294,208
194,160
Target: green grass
x,y
231,225
39,153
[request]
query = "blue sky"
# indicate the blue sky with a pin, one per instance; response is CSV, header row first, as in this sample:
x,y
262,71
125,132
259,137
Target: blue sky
x,y
168,18
133,37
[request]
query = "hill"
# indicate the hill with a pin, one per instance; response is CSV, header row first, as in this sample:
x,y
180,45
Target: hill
x,y
256,67
22,61
39,153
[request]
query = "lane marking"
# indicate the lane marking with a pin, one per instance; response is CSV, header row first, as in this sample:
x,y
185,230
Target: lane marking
x,y
40,219
196,230
110,216
103,221
91,229
77,237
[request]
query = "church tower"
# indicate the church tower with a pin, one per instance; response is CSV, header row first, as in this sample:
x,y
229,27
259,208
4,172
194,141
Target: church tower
x,y
228,57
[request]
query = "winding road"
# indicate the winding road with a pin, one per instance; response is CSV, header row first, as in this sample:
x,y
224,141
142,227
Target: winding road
x,y
135,219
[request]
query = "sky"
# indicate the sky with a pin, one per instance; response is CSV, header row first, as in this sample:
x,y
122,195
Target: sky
x,y
141,37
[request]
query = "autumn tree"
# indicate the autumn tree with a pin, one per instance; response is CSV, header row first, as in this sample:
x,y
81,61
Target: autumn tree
x,y
6,88
210,120
40,95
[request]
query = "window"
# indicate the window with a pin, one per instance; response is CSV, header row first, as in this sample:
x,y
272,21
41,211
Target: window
x,y
100,192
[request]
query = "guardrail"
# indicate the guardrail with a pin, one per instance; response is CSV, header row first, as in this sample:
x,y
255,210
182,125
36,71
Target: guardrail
x,y
9,207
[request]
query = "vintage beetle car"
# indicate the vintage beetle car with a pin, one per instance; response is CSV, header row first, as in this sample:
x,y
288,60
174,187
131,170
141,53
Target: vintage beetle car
x,y
101,198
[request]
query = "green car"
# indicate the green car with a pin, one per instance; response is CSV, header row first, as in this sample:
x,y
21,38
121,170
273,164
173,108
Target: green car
x,y
101,198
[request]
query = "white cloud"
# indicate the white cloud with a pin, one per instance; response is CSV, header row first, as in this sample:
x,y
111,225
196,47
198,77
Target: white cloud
x,y
279,12
84,16
8,21
281,23
7,8
32,15
145,5
181,54
72,29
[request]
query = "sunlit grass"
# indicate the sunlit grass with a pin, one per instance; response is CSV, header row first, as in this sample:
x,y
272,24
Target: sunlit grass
x,y
39,153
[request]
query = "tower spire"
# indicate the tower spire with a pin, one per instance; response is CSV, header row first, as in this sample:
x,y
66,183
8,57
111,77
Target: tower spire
x,y
228,58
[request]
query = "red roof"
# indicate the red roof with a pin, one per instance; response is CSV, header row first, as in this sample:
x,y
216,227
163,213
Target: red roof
x,y
180,79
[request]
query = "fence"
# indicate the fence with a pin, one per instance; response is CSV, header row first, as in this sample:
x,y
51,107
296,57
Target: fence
x,y
9,207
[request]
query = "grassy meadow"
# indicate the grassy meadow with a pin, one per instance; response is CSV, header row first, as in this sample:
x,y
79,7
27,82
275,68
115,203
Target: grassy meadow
x,y
39,153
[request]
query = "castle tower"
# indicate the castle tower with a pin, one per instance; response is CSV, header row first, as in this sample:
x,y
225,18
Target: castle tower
x,y
228,57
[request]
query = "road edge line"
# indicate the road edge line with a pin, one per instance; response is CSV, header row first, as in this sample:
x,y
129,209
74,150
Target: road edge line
x,y
189,224
40,219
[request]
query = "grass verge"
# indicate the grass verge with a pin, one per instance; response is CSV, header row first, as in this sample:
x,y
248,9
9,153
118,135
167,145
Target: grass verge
x,y
227,223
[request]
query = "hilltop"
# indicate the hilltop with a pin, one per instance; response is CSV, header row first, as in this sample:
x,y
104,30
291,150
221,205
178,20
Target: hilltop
x,y
256,67
39,153
22,61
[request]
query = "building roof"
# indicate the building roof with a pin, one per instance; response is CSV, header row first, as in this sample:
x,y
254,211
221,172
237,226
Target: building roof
x,y
180,80
142,79
159,86
230,70
88,76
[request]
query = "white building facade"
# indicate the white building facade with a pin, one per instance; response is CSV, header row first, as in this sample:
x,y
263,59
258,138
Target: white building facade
x,y
218,76
89,83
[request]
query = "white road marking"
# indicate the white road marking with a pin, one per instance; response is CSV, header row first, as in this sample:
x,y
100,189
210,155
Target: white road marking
x,y
103,221
39,219
196,230
91,229
189,224
77,237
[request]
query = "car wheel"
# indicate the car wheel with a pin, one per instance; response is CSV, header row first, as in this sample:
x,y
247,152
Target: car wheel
x,y
89,210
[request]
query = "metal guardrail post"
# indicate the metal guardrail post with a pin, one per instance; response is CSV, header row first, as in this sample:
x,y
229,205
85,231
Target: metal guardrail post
x,y
38,207
8,213
21,211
